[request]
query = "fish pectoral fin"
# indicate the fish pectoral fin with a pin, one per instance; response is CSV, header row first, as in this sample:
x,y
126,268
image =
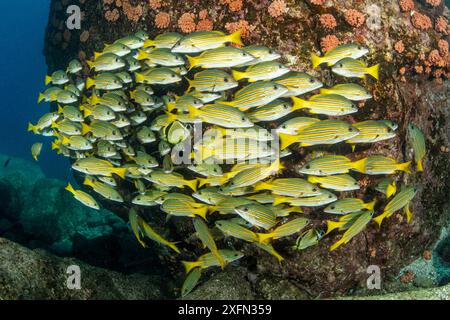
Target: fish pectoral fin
x,y
408,213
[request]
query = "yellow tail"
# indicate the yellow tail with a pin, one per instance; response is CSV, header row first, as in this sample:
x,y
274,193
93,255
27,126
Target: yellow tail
x,y
279,200
192,62
275,166
60,109
286,140
191,184
316,60
172,246
90,64
238,75
391,189
88,182
404,166
65,140
87,112
265,237
48,79
373,71
313,179
56,144
324,91
419,166
120,172
140,78
299,103
235,37
408,213
189,265
85,129
31,127
360,165
370,205
337,244
89,83
379,219
149,43
331,225
142,55
41,97
94,99
96,55
70,188
260,186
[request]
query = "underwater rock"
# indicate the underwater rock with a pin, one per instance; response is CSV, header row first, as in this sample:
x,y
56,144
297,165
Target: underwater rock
x,y
35,274
403,95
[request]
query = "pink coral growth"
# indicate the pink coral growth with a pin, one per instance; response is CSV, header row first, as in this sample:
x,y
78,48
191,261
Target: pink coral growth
x,y
205,25
443,47
399,46
277,8
233,5
327,21
203,14
162,20
318,2
354,18
421,21
112,15
436,59
329,42
406,5
442,25
243,25
433,3
186,22
133,13
154,4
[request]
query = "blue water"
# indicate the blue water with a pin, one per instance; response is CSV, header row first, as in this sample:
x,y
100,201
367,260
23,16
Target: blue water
x,y
23,69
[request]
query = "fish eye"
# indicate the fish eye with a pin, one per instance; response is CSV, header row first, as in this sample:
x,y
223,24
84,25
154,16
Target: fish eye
x,y
243,118
244,54
270,51
349,129
225,79
245,209
312,80
280,66
359,48
314,190
340,65
332,208
308,166
285,106
330,196
275,87
283,126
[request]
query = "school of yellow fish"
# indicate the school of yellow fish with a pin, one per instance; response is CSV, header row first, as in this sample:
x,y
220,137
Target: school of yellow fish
x,y
144,98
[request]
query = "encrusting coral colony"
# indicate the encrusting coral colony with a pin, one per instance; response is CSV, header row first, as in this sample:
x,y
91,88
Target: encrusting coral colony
x,y
125,122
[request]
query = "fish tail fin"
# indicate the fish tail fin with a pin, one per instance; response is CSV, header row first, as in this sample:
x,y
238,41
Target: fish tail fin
x,y
331,225
170,106
286,140
133,94
90,64
404,166
408,213
202,212
149,43
373,71
48,79
172,245
85,129
238,75
94,99
193,112
324,91
192,61
60,109
189,265
316,60
70,188
275,166
419,166
279,200
313,179
298,103
202,182
32,127
260,186
190,82
191,184
54,125
88,182
353,147
65,140
221,260
370,205
55,145
391,188
379,219
337,244
171,117
120,172
265,237
89,83
96,55
140,78
359,165
87,112
235,37
296,209
142,55
40,97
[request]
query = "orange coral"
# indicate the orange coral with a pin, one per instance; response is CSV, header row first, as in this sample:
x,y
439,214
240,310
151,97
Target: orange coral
x,y
435,58
399,46
407,277
318,2
443,47
419,69
406,5
329,42
277,8
243,25
154,4
421,21
186,22
442,26
434,3
327,21
203,14
235,5
133,13
402,70
205,25
354,18
162,20
112,15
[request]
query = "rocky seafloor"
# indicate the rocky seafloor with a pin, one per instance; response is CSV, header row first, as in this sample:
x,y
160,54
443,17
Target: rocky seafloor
x,y
414,87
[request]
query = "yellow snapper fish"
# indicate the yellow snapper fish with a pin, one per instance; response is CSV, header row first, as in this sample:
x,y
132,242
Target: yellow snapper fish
x,y
109,99
57,78
99,112
235,230
387,185
349,205
145,135
77,143
401,200
70,112
271,111
354,51
344,222
269,249
74,66
204,234
256,94
257,214
149,198
136,225
103,189
327,165
105,149
150,233
322,199
131,42
83,197
95,166
292,187
161,56
323,132
44,122
66,97
378,164
102,130
106,62
327,104
298,83
417,140
224,57
261,54
191,281
160,75
210,195
262,71
253,133
338,182
294,125
349,67
216,180
67,127
183,103
282,210
175,196
206,169
104,81
251,176
49,95
171,180
222,115
118,49
371,131
209,260
351,91
357,226
184,209
205,40
308,238
286,229
142,98
165,40
228,205
36,150
212,80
